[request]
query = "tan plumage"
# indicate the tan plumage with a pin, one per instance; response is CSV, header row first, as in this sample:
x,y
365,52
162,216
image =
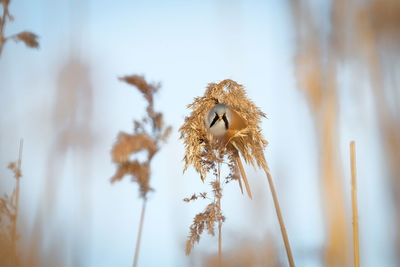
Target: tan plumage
x,y
225,131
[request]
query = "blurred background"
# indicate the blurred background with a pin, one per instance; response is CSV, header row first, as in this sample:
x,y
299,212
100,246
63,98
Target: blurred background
x,y
324,72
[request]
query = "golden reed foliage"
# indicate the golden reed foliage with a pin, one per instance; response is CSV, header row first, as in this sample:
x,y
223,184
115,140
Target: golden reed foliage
x,y
148,135
30,39
366,33
200,145
207,154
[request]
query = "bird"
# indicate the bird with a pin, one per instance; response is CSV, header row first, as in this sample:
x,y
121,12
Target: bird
x,y
222,123
218,120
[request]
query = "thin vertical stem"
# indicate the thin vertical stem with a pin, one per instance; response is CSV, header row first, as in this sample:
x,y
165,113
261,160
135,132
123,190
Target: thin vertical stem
x,y
354,198
2,24
280,219
14,225
219,220
219,243
2,41
135,260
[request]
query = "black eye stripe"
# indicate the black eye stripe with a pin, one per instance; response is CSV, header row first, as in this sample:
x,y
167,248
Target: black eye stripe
x,y
214,120
226,121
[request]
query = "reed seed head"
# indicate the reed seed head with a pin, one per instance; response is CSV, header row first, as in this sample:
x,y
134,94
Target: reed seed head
x,y
202,150
207,150
148,134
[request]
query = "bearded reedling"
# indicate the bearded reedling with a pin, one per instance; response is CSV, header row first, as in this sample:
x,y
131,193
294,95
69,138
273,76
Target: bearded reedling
x,y
225,123
222,123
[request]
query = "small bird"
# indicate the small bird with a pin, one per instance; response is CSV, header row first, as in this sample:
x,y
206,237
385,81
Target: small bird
x,y
218,120
222,123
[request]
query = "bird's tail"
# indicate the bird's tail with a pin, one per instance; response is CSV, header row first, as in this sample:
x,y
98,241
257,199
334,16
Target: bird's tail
x,y
243,174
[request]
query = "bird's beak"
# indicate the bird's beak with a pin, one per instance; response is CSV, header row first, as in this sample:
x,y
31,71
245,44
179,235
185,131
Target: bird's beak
x,y
220,117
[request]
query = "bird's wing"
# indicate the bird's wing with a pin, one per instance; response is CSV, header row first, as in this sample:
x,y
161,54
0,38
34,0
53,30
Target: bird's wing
x,y
238,123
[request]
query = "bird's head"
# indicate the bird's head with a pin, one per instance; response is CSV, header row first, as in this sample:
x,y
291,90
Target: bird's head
x,y
218,120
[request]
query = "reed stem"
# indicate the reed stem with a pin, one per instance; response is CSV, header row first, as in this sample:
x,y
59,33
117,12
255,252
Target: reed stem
x,y
15,219
2,24
354,200
219,220
135,260
219,244
278,213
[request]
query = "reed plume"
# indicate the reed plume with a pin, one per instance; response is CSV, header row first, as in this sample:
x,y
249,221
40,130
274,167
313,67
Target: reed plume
x,y
207,154
148,135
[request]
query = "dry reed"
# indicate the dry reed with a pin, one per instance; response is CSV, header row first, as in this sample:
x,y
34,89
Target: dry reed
x,y
206,153
30,39
354,204
148,135
71,124
365,33
376,27
9,207
315,65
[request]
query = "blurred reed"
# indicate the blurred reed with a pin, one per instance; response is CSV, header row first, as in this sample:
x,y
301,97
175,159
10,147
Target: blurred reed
x,y
363,32
316,73
72,128
9,207
148,135
30,39
247,252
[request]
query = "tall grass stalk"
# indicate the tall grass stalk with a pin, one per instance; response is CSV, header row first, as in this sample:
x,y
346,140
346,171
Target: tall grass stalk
x,y
148,135
354,202
280,218
219,221
15,219
135,259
